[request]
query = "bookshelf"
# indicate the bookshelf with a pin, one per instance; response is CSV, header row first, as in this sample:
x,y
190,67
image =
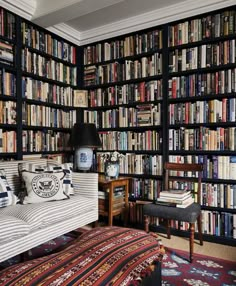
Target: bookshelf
x,y
38,76
189,76
8,97
201,103
123,77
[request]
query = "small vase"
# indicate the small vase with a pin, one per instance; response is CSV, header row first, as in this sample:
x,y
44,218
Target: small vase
x,y
112,170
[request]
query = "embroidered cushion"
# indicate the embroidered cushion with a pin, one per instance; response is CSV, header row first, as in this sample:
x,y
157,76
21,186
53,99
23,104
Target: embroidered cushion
x,y
36,168
44,186
7,196
31,167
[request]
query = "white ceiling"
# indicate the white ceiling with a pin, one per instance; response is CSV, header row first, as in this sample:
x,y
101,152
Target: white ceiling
x,y
85,21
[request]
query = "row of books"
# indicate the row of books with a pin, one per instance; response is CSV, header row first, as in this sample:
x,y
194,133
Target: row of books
x,y
7,24
7,141
39,115
130,140
141,115
203,138
47,92
211,26
204,56
7,112
219,223
214,167
7,83
49,68
214,83
139,164
218,195
146,189
118,192
175,198
213,223
136,212
6,52
47,140
124,94
115,72
42,41
211,111
129,46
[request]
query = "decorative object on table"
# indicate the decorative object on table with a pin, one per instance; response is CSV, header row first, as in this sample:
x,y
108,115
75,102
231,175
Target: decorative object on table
x,y
85,138
112,163
80,98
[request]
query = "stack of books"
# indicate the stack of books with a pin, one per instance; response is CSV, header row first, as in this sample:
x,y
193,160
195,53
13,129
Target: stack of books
x,y
175,198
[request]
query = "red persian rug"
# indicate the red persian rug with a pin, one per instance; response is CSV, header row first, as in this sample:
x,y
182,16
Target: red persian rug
x,y
203,271
176,269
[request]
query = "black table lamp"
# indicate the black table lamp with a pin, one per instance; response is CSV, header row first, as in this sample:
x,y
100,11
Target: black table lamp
x,y
85,138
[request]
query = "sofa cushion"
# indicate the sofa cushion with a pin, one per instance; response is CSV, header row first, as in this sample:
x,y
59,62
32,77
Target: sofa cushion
x,y
44,214
12,228
7,196
52,167
43,187
67,168
31,167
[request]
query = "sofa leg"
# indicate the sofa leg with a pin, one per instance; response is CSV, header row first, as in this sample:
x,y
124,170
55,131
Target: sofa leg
x,y
95,224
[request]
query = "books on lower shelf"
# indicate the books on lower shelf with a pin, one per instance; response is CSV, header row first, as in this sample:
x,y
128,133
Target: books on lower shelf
x,y
175,198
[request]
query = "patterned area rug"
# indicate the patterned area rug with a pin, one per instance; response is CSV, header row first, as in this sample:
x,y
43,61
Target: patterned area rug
x,y
176,269
203,271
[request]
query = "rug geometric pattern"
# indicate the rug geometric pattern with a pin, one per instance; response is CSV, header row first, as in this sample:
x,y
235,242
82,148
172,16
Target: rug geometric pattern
x,y
203,271
176,269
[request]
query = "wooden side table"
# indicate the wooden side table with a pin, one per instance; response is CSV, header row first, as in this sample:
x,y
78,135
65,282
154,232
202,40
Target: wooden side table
x,y
115,198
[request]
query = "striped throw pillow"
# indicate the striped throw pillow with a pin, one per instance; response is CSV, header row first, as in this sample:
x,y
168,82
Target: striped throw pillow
x,y
7,196
67,168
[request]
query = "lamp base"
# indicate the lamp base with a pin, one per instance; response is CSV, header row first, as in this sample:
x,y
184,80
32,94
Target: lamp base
x,y
84,158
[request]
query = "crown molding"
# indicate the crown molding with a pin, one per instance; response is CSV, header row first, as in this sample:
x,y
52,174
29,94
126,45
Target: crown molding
x,y
66,32
154,18
23,8
26,8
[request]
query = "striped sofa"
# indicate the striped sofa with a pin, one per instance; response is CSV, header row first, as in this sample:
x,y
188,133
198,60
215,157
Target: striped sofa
x,y
23,227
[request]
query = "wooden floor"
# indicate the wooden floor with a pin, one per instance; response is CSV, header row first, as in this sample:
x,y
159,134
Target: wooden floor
x,y
208,248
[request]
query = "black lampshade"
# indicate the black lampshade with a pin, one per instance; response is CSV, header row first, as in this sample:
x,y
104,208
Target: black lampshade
x,y
85,135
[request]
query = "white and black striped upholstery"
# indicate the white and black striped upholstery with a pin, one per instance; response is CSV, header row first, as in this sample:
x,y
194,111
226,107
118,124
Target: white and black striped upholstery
x,y
50,219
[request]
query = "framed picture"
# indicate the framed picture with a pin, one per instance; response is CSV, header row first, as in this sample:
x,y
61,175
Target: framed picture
x,y
80,98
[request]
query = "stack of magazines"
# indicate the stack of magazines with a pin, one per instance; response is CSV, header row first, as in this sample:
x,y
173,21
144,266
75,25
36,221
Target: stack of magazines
x,y
175,198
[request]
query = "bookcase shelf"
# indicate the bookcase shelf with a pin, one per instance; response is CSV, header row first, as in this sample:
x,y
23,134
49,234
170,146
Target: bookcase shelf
x,y
40,80
197,102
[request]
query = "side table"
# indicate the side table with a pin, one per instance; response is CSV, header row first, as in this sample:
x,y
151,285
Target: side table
x,y
113,197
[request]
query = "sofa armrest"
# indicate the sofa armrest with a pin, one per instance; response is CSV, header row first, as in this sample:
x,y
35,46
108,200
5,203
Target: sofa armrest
x,y
86,184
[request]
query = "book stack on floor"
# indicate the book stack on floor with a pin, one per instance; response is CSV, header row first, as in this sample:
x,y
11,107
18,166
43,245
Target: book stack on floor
x,y
175,198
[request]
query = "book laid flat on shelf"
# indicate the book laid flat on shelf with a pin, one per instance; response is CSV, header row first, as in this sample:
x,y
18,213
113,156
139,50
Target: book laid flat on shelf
x,y
175,193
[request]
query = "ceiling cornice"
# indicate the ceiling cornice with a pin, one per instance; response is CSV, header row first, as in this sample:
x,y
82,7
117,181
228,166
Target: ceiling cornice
x,y
26,8
23,8
154,18
66,32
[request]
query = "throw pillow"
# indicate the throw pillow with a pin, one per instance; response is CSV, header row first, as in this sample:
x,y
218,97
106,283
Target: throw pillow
x,y
7,196
43,187
31,167
67,168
